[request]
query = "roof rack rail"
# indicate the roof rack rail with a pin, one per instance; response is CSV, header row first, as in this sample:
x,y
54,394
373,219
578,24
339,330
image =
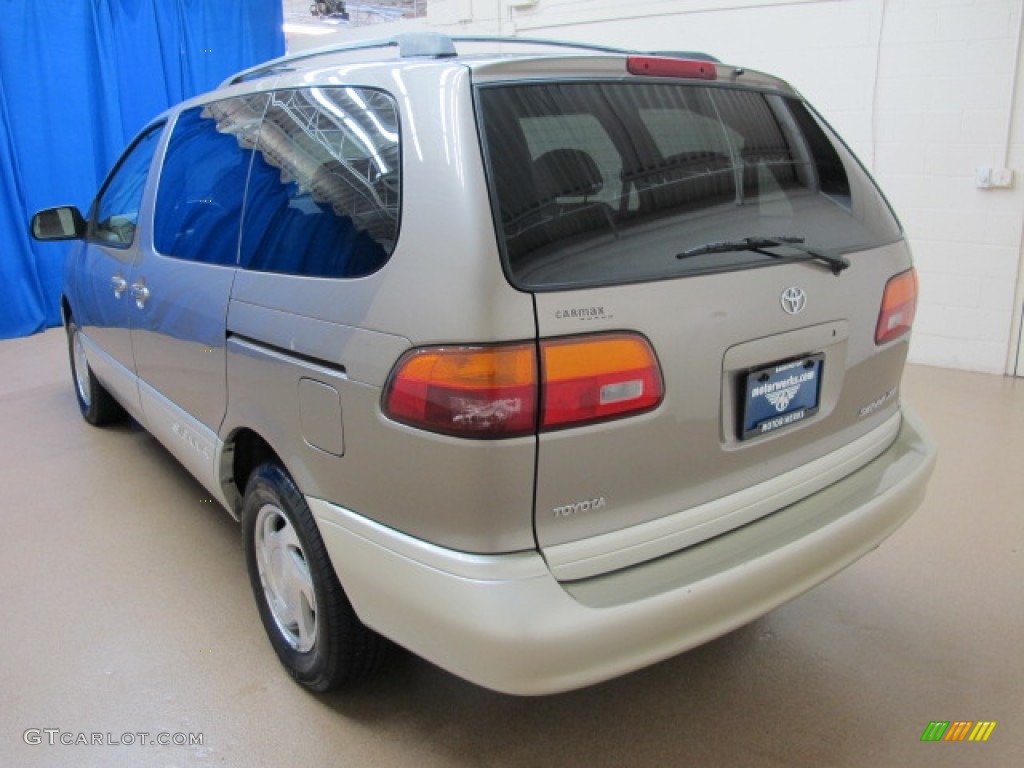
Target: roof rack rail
x,y
538,41
409,44
693,55
436,45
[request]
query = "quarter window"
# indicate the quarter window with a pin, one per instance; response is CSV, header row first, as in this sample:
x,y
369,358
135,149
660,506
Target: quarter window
x,y
323,197
116,210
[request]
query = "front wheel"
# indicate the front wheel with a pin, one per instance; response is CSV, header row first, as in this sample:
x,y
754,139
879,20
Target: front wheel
x,y
308,618
97,405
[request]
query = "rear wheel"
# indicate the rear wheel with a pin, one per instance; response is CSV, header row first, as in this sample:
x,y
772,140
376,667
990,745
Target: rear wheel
x,y
98,406
309,619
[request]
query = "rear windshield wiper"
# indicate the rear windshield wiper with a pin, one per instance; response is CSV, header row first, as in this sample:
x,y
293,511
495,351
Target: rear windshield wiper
x,y
757,244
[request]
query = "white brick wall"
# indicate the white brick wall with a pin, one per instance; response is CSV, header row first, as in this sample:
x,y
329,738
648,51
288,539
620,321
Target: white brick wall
x,y
921,89
947,71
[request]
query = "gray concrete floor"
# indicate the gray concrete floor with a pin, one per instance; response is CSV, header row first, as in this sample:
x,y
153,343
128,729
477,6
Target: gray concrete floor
x,y
127,610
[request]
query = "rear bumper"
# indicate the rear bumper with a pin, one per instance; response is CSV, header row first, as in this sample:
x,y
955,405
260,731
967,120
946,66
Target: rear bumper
x,y
504,622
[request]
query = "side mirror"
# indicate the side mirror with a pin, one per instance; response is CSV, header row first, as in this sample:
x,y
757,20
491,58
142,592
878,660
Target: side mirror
x,y
63,223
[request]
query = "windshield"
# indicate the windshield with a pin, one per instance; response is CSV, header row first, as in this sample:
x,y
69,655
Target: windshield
x,y
604,182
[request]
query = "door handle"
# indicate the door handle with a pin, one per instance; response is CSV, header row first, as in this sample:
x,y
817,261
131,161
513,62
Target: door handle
x,y
141,294
119,284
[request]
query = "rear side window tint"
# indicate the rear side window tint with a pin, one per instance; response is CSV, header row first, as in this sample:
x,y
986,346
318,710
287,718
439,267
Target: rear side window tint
x,y
549,135
605,182
324,190
675,131
202,183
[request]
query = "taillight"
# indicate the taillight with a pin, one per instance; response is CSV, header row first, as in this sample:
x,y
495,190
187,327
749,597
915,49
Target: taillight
x,y
594,378
466,391
899,303
662,66
493,392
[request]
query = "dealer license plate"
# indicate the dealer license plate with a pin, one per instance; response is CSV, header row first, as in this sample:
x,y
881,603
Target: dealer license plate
x,y
781,395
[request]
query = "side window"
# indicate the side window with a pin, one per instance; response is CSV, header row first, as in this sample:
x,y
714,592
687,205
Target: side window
x,y
581,133
116,210
769,159
679,131
831,173
323,196
202,183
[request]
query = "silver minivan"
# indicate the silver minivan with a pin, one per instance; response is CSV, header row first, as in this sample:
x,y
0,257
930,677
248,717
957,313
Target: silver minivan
x,y
543,361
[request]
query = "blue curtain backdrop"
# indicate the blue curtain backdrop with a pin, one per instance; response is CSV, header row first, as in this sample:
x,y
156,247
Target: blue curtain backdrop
x,y
78,79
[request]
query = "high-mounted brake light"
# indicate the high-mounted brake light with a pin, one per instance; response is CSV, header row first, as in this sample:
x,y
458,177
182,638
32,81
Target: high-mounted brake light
x,y
899,303
661,66
493,391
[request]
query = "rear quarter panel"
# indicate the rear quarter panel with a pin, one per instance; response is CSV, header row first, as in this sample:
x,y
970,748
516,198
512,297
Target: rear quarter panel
x,y
443,285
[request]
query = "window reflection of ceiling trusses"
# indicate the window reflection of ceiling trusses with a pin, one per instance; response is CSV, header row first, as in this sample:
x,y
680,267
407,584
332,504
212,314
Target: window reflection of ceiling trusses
x,y
338,124
339,145
359,13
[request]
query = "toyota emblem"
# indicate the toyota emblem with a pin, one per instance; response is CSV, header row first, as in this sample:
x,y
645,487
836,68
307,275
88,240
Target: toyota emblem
x,y
794,300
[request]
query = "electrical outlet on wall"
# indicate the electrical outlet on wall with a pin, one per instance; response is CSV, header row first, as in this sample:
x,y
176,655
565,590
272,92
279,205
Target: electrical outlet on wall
x,y
1002,177
988,178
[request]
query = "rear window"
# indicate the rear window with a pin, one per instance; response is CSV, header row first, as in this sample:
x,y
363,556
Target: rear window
x,y
596,183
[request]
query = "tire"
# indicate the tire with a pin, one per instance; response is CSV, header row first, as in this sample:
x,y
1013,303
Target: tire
x,y
97,405
307,616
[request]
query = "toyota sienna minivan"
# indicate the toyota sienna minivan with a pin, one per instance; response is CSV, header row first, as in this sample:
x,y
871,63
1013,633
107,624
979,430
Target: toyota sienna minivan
x,y
543,361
